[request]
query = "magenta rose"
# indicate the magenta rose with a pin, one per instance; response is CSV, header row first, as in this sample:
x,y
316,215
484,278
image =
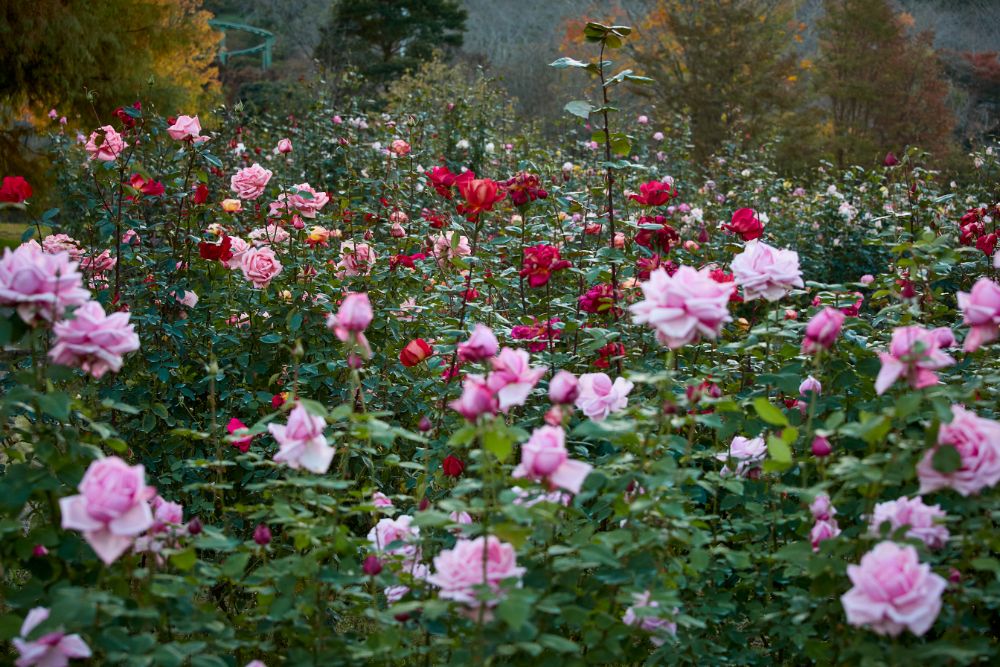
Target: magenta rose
x,y
822,330
482,344
476,398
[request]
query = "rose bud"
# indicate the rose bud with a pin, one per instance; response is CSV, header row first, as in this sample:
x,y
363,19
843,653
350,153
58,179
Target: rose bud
x,y
372,565
262,535
821,447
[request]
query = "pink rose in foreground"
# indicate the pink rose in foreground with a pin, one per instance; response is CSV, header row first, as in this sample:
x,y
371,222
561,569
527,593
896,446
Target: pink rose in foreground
x,y
544,457
822,330
893,591
302,443
564,388
94,341
599,397
459,571
977,441
748,453
764,271
684,307
112,508
645,613
476,399
54,649
512,378
981,311
237,247
915,354
186,128
482,344
105,144
249,183
923,522
260,266
38,284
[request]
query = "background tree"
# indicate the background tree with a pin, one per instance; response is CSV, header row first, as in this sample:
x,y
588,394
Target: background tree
x,y
385,38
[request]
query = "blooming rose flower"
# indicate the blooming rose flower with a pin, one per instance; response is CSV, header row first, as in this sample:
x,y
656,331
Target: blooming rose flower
x,y
459,571
765,271
112,507
977,441
893,591
443,250
821,508
684,307
272,235
57,243
482,344
94,341
399,148
381,500
186,128
231,205
981,311
746,224
923,522
822,330
599,397
823,530
476,398
302,443
662,237
564,388
414,352
308,205
249,183
38,284
237,248
54,649
352,319
747,453
110,147
241,443
15,190
396,537
98,264
260,266
284,146
657,626
512,378
357,259
914,353
544,457
540,262
480,195
654,193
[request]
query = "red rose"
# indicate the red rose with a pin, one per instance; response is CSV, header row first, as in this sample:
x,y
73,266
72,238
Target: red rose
x,y
216,251
540,262
746,224
200,194
14,189
480,195
654,193
452,466
415,351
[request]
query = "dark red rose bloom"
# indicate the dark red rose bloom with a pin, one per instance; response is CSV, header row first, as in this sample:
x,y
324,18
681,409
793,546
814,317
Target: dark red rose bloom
x,y
433,218
128,121
540,262
646,265
15,190
746,224
444,181
525,188
415,351
663,238
606,353
654,193
216,251
707,388
149,188
600,299
200,194
987,243
452,466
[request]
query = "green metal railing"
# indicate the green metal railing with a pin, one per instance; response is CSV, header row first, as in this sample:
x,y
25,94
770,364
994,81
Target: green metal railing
x,y
263,48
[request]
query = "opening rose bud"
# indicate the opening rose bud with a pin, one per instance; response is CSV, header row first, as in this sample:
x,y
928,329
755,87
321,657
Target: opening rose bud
x,y
821,447
415,351
262,535
372,565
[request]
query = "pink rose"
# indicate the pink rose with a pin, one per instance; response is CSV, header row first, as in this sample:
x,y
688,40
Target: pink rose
x,y
544,457
94,341
357,259
810,384
260,266
186,128
512,378
459,571
914,353
684,307
284,146
482,344
977,441
237,247
923,522
821,508
893,591
57,243
110,147
763,271
272,235
476,398
564,388
112,507
396,537
302,443
443,250
249,183
39,285
303,198
54,649
351,320
599,397
822,330
981,311
652,622
747,453
381,500
822,530
188,298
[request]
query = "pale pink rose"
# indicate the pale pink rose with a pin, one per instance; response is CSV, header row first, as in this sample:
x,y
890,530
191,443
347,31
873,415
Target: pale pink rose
x,y
399,148
399,216
599,397
271,235
977,441
350,322
110,147
747,453
112,507
94,341
461,518
893,591
981,311
237,246
512,378
764,271
249,183
821,508
822,330
482,344
914,354
284,146
867,279
54,649
186,128
944,336
412,570
38,284
544,458
459,571
98,264
166,515
443,251
255,663
810,384
684,307
381,500
57,243
822,530
529,497
356,259
189,299
396,537
645,613
397,231
302,443
476,398
260,266
564,388
657,136
923,522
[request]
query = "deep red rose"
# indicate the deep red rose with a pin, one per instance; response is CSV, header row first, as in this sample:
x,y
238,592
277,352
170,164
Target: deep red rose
x,y
480,195
746,224
540,262
200,194
654,193
14,189
216,251
525,188
663,238
452,466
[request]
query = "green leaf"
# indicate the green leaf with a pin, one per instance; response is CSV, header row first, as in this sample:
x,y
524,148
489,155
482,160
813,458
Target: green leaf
x,y
946,460
499,442
779,455
515,609
55,405
233,566
560,644
769,413
271,338
579,108
184,560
